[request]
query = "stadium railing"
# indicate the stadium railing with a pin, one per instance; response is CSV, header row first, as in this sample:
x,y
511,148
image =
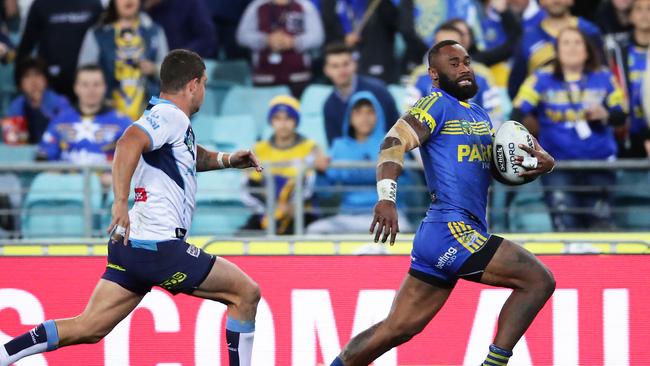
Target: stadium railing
x,y
80,207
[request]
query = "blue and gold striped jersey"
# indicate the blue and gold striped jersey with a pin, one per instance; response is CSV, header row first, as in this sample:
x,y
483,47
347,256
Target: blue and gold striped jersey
x,y
559,106
636,62
456,157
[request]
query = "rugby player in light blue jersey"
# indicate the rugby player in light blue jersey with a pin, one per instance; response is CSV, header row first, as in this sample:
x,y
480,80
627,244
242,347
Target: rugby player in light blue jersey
x,y
452,242
147,246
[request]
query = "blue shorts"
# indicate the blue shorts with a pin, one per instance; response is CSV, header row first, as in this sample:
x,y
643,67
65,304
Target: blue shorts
x,y
174,265
445,251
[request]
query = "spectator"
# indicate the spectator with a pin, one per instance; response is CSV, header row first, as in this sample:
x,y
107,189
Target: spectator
x,y
487,97
613,16
627,54
31,112
86,133
501,31
419,20
362,134
341,69
55,28
528,12
575,101
187,24
536,49
289,147
369,27
280,33
225,16
129,47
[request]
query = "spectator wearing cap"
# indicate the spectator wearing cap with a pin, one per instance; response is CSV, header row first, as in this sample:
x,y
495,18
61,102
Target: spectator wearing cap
x,y
30,113
285,152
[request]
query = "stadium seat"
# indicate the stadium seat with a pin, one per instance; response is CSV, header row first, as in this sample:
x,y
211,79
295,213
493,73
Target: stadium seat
x,y
313,99
313,127
54,206
252,101
632,200
17,153
399,95
528,212
219,209
237,72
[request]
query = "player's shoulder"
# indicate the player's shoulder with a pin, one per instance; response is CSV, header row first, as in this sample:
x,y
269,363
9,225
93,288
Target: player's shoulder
x,y
167,113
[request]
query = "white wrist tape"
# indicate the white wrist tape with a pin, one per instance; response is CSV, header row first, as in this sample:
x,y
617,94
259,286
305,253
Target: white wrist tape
x,y
220,160
387,190
529,162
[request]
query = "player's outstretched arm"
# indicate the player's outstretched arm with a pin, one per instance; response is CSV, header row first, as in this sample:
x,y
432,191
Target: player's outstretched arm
x,y
128,150
213,160
407,134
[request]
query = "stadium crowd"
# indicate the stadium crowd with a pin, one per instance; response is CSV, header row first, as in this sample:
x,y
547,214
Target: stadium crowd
x,y
573,71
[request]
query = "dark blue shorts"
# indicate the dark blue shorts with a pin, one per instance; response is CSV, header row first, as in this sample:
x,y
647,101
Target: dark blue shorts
x,y
445,251
174,265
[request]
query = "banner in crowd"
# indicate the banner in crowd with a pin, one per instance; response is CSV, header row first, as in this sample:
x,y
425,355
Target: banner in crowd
x,y
312,305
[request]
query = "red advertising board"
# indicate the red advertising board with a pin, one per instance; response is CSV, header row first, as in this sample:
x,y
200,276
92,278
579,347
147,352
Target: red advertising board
x,y
313,304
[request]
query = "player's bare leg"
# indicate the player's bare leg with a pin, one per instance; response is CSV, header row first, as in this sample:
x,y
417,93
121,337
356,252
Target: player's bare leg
x,y
514,267
414,306
108,305
229,285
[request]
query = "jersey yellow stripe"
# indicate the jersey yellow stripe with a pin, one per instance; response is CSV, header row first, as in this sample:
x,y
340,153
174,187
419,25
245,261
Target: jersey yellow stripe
x,y
428,105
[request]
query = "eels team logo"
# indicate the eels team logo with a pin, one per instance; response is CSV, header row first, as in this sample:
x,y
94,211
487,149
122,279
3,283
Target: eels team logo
x,y
466,127
189,140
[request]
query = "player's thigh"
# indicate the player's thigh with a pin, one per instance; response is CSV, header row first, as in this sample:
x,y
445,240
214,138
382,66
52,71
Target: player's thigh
x,y
108,305
515,267
227,283
415,304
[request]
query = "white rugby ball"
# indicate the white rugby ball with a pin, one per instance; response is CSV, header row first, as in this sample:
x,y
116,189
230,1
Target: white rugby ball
x,y
505,148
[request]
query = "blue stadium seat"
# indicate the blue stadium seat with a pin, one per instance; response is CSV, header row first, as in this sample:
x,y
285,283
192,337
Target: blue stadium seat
x,y
252,101
17,153
632,200
219,209
54,206
313,127
236,72
528,212
227,133
313,99
399,95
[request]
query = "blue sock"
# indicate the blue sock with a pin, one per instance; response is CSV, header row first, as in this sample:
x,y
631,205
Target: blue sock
x,y
337,362
497,356
239,335
44,337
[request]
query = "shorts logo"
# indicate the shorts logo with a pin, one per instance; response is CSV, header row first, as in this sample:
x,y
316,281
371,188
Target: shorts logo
x,y
193,251
173,281
447,259
140,195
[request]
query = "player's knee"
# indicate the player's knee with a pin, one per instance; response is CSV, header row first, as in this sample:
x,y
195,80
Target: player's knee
x,y
548,283
251,295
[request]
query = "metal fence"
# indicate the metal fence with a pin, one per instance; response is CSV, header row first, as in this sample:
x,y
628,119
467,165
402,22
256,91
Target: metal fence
x,y
58,200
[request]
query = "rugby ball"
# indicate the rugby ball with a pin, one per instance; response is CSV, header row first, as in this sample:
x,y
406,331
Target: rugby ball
x,y
505,148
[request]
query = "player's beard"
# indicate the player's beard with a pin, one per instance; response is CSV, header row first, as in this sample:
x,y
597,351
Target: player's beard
x,y
459,92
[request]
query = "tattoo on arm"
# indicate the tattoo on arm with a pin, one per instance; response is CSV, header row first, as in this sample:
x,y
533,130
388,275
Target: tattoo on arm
x,y
205,160
407,134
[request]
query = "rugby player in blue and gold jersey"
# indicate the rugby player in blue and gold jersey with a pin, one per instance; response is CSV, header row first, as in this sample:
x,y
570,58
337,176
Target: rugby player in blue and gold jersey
x,y
452,241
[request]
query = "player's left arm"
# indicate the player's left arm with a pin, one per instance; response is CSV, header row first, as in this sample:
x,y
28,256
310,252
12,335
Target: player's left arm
x,y
407,134
214,160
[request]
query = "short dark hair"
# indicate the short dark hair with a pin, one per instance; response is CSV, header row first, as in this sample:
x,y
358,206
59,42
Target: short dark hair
x,y
449,25
89,68
593,62
363,103
436,49
29,64
336,48
179,67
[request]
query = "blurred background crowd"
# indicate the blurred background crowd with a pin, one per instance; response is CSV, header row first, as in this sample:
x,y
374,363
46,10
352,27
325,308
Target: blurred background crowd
x,y
312,86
